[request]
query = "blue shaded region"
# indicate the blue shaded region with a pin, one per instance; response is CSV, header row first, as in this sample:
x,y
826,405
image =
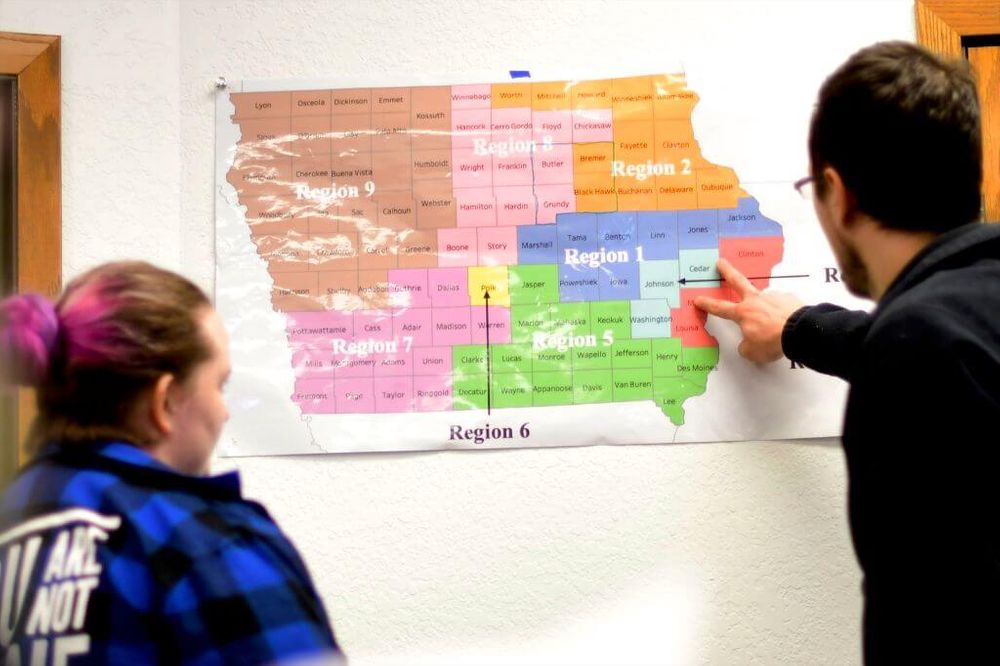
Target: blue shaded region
x,y
576,231
617,231
746,221
657,234
619,282
698,229
537,244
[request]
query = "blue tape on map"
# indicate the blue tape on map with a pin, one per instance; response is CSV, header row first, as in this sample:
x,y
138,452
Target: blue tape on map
x,y
520,74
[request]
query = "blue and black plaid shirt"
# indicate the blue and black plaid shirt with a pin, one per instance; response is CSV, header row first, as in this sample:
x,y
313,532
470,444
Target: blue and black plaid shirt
x,y
107,556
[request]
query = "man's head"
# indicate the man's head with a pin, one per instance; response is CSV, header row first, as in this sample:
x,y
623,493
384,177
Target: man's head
x,y
895,138
901,127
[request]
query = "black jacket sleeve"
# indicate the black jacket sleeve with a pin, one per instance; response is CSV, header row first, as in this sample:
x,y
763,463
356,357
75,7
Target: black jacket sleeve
x,y
826,338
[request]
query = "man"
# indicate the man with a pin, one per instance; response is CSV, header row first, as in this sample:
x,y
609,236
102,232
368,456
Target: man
x,y
896,162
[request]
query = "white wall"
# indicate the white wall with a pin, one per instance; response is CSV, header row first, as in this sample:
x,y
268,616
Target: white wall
x,y
719,553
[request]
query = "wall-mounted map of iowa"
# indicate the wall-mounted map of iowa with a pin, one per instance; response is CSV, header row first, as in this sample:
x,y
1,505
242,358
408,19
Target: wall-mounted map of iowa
x,y
584,209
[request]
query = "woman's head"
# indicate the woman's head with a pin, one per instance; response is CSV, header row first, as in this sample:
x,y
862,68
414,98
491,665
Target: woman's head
x,y
125,344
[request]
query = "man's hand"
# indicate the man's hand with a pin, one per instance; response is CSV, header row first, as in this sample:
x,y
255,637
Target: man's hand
x,y
761,315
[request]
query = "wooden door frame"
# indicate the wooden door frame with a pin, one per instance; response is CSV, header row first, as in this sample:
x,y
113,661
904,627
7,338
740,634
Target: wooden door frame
x,y
951,28
34,62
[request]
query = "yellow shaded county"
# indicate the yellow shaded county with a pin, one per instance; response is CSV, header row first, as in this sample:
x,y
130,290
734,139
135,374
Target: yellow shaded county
x,y
591,94
511,95
489,278
550,96
718,187
672,100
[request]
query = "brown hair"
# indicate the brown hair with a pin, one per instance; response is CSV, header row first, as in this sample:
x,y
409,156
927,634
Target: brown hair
x,y
115,331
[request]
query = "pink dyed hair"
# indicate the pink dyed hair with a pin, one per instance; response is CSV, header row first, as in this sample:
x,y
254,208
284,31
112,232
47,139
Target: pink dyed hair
x,y
115,330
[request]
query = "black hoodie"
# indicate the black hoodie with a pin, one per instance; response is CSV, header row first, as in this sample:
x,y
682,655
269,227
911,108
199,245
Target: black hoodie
x,y
922,441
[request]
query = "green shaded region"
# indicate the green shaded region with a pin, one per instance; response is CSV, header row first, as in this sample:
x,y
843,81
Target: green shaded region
x,y
670,394
591,358
551,360
591,386
468,391
511,358
697,362
666,357
570,319
633,384
511,390
613,316
552,388
532,284
631,354
468,359
526,320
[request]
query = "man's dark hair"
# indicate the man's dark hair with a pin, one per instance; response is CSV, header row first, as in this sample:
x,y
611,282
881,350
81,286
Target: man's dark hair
x,y
901,127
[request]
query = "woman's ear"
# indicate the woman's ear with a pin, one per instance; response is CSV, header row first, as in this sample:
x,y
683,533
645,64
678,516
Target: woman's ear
x,y
159,406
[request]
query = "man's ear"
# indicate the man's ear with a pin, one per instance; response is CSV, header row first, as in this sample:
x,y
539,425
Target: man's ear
x,y
159,406
840,201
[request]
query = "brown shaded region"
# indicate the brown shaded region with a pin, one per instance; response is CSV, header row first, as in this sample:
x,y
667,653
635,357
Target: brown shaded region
x,y
430,118
356,214
334,251
352,169
272,216
418,248
391,132
312,171
434,201
351,101
351,134
261,105
396,210
392,171
311,135
391,100
431,164
295,291
274,131
261,177
284,253
373,289
378,249
311,103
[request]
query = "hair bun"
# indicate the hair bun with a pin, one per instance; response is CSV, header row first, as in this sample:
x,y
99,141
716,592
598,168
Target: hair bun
x,y
29,328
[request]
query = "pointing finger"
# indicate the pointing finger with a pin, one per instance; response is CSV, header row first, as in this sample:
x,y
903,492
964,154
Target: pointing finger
x,y
717,307
736,280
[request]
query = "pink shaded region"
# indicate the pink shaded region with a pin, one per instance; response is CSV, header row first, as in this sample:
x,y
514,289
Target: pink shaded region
x,y
449,286
456,247
310,327
512,170
475,207
373,325
553,200
411,287
476,96
311,362
557,126
315,396
452,326
414,323
515,206
499,325
511,124
432,394
393,394
355,395
468,126
554,166
497,246
394,364
432,361
469,169
591,125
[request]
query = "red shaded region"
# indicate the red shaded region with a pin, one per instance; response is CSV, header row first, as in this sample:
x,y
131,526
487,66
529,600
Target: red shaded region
x,y
688,322
754,256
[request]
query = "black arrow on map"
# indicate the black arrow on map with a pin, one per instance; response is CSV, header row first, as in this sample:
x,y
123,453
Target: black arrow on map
x,y
763,277
489,364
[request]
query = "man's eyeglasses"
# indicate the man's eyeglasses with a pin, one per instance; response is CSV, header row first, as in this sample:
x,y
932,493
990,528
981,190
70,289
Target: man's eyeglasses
x,y
804,186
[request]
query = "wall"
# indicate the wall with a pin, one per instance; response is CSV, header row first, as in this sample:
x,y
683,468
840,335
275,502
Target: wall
x,y
718,553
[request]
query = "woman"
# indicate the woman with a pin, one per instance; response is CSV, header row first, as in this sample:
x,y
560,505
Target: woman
x,y
115,547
